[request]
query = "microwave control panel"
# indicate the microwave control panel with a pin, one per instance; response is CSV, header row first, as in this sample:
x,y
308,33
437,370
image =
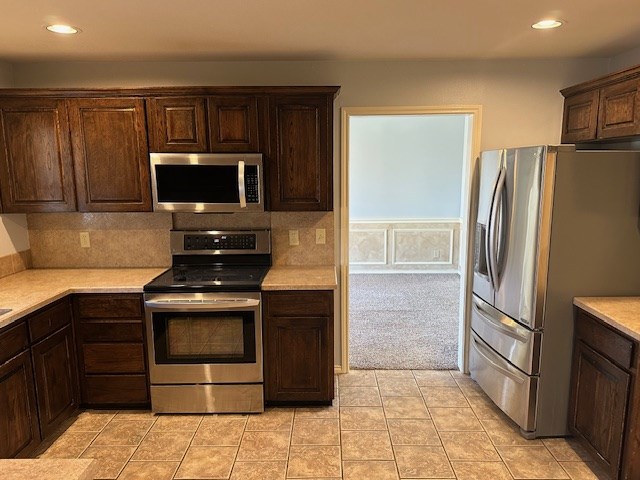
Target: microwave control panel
x,y
251,184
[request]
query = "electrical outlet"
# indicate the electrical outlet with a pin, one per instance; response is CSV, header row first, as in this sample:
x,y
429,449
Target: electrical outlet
x,y
436,254
85,241
294,238
321,236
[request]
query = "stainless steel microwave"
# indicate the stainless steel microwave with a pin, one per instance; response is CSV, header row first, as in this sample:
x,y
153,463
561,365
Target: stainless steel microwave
x,y
207,182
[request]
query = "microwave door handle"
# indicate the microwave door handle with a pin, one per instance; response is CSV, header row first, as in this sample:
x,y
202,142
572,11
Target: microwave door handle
x,y
241,191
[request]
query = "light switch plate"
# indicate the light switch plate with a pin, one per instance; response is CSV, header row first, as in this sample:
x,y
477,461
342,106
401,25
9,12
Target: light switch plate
x,y
294,238
321,236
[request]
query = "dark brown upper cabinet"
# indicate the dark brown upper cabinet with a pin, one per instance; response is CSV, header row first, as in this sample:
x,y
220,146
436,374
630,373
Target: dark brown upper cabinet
x,y
220,123
619,111
580,117
36,171
233,124
177,124
604,109
110,154
300,164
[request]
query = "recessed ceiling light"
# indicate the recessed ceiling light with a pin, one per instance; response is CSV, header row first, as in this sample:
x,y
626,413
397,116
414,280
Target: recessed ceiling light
x,y
545,24
64,29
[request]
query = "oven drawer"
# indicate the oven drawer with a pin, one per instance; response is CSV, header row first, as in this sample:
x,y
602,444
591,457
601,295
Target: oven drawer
x,y
519,345
113,358
510,389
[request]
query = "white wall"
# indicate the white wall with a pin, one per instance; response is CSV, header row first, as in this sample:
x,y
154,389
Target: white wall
x,y
6,75
625,60
14,235
405,166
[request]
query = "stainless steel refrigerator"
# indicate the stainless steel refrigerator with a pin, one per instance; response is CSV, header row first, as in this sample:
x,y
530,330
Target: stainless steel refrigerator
x,y
553,223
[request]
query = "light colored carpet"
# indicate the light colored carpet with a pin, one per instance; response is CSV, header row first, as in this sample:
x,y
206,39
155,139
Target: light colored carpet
x,y
403,321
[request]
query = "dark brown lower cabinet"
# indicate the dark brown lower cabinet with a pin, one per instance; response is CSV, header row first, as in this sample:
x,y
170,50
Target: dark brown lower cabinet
x,y
111,345
19,432
605,396
56,375
298,347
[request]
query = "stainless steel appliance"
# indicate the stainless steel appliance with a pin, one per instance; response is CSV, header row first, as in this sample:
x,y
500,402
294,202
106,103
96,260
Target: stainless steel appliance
x,y
552,223
204,323
207,182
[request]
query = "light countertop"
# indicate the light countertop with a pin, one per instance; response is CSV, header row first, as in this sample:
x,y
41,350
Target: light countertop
x,y
300,278
622,313
27,291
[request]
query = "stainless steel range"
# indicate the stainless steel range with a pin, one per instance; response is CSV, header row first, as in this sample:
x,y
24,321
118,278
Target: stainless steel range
x,y
204,323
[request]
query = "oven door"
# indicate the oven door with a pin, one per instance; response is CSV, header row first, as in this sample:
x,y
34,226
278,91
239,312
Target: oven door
x,y
204,338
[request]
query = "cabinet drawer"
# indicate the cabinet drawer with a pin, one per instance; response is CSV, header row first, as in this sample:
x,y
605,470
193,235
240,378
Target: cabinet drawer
x,y
13,341
113,358
115,390
110,331
299,303
49,320
109,306
604,340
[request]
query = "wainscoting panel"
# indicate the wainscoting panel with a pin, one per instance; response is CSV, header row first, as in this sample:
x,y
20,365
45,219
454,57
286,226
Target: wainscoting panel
x,y
406,246
368,246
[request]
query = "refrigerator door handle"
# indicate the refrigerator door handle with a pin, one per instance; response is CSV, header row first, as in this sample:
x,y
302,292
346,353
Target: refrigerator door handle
x,y
492,261
504,324
486,354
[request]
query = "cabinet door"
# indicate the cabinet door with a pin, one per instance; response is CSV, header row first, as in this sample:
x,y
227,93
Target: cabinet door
x,y
580,117
36,171
233,124
298,346
300,169
297,367
598,404
19,433
54,361
619,112
110,154
177,124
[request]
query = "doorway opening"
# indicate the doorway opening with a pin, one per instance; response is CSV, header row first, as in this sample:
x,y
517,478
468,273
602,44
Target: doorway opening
x,y
404,236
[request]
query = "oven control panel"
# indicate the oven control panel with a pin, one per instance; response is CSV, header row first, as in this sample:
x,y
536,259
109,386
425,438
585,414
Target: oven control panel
x,y
234,241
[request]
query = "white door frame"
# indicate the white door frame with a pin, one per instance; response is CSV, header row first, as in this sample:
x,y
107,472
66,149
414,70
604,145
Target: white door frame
x,y
472,151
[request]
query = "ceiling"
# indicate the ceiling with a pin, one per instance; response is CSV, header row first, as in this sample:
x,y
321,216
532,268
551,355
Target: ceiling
x,y
316,29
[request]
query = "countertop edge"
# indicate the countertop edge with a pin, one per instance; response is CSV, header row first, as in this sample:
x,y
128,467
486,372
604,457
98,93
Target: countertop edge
x,y
584,304
14,316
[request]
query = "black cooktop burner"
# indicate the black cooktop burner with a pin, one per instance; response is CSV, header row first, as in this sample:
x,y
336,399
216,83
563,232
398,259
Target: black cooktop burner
x,y
205,278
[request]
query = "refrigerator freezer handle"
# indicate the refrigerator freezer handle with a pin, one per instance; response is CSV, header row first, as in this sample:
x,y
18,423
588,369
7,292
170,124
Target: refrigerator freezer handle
x,y
491,243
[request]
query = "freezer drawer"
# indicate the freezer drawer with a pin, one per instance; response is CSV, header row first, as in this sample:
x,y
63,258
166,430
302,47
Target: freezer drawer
x,y
511,390
516,343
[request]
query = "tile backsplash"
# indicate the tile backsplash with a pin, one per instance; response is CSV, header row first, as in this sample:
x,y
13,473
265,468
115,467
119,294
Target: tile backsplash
x,y
142,239
116,240
14,263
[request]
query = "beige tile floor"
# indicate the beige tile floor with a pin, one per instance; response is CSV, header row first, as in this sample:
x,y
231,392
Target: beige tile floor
x,y
383,425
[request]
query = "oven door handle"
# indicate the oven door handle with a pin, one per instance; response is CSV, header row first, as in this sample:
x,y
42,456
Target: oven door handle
x,y
202,304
